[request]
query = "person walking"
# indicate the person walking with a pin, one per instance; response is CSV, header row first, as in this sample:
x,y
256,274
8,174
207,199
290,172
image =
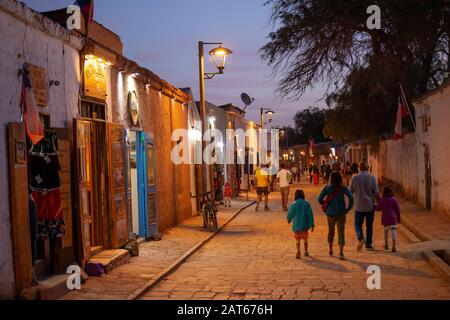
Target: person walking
x,y
295,171
390,216
332,200
262,181
301,216
364,188
227,195
284,179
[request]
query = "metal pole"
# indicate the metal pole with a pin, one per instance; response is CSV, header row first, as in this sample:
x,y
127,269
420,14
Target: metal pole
x,y
201,64
262,118
407,105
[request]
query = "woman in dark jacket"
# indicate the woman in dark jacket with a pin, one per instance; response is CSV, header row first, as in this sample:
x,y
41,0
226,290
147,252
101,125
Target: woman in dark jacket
x,y
333,195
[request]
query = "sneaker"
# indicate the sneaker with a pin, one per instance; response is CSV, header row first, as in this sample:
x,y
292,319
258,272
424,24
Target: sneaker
x,y
330,252
306,254
298,255
361,244
394,250
257,207
371,248
341,256
266,209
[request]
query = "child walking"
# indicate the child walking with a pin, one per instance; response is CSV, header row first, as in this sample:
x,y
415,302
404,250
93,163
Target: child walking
x,y
301,216
227,195
390,216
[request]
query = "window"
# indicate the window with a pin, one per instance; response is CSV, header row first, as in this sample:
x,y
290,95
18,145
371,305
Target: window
x,y
93,110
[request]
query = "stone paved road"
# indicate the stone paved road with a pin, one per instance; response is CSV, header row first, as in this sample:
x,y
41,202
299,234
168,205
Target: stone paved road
x,y
254,258
154,256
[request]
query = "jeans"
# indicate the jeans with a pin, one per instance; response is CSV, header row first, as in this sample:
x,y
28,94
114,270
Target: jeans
x,y
359,221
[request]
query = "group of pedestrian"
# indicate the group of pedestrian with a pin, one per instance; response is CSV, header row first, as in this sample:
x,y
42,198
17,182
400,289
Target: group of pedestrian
x,y
362,196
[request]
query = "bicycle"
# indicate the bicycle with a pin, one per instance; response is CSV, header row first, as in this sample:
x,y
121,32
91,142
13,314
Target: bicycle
x,y
208,211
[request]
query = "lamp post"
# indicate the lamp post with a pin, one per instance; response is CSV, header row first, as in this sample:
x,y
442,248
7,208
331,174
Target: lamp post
x,y
269,113
218,55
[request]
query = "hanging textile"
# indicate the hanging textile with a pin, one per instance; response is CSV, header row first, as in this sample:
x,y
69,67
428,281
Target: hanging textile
x,y
28,105
46,187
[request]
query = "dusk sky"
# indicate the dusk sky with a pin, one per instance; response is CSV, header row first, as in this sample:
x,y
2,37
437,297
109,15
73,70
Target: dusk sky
x,y
162,36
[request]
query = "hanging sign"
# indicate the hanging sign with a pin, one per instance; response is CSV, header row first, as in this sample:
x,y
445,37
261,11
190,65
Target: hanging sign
x,y
95,78
38,82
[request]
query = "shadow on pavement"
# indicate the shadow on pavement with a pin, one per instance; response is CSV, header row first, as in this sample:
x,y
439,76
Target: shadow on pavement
x,y
322,264
391,269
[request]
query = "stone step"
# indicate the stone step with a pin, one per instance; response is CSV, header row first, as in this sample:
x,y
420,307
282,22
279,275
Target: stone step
x,y
49,288
111,259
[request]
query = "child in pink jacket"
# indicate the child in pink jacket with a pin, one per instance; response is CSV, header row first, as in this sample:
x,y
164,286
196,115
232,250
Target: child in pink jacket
x,y
390,216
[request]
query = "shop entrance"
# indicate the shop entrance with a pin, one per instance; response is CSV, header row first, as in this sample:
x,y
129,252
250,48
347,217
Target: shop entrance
x,y
141,183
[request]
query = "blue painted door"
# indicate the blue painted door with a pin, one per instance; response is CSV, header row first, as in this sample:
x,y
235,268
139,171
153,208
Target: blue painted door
x,y
141,178
150,218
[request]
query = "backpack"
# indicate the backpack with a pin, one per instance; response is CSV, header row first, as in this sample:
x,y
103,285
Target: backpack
x,y
330,198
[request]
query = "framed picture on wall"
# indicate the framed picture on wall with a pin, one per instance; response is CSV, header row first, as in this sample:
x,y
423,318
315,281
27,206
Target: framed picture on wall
x,y
21,156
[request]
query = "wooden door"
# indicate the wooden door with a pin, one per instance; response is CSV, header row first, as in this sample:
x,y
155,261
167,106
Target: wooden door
x,y
117,188
19,197
84,181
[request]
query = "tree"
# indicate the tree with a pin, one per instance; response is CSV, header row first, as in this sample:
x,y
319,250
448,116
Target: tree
x,y
328,41
323,41
309,123
358,112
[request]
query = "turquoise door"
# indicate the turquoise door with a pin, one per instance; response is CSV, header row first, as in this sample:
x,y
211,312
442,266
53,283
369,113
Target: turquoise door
x,y
141,183
150,221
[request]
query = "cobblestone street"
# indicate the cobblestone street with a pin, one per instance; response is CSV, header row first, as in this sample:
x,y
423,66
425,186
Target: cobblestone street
x,y
254,258
154,256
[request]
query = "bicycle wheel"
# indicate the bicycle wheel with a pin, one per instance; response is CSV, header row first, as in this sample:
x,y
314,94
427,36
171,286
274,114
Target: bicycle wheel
x,y
212,219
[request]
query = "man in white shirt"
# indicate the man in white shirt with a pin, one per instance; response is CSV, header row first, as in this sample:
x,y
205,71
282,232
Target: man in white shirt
x,y
284,178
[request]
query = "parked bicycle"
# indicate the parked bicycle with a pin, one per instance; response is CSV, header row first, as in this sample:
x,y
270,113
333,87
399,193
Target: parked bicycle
x,y
208,210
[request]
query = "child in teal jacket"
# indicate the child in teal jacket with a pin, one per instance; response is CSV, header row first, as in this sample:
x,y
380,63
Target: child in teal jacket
x,y
301,216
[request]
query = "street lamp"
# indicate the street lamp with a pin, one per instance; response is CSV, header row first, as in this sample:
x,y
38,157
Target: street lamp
x,y
269,113
218,55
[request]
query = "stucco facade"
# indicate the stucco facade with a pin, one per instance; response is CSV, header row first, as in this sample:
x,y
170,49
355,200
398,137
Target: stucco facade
x,y
419,163
28,37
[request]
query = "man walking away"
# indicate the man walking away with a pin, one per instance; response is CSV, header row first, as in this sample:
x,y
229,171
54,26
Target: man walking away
x,y
364,188
284,178
262,180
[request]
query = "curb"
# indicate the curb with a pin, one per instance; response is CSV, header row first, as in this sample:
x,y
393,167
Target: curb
x,y
408,234
438,265
174,265
421,235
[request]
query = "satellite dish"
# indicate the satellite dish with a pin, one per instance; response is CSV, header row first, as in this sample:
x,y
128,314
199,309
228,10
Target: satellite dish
x,y
246,100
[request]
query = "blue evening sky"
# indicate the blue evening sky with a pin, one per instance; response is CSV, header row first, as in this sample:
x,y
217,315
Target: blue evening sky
x,y
162,36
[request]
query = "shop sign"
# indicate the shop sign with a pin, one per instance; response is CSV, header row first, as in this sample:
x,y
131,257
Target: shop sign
x,y
95,79
37,77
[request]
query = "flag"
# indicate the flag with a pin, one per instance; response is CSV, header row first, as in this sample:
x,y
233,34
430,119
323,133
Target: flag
x,y
87,9
402,111
31,117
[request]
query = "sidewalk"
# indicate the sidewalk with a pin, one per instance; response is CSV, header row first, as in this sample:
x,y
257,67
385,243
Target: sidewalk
x,y
154,257
424,224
